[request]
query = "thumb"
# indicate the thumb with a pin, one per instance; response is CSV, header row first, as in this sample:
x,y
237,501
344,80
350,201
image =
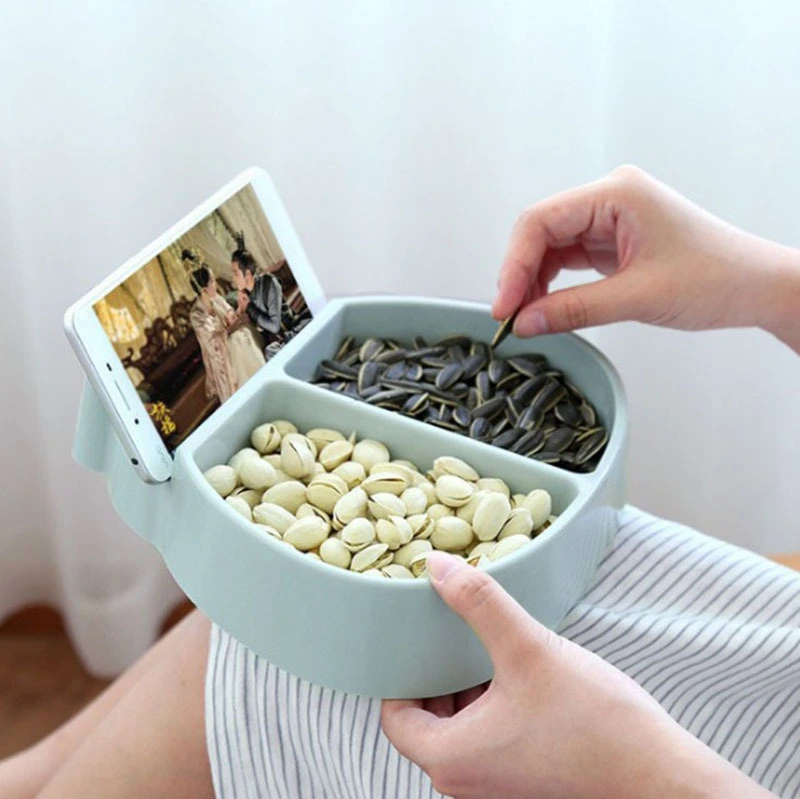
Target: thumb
x,y
499,621
611,299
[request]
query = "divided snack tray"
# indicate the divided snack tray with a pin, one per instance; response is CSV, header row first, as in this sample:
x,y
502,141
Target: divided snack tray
x,y
340,629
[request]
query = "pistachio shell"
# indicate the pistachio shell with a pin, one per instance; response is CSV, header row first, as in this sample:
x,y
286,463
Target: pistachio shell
x,y
306,534
282,477
519,522
256,473
334,551
427,487
454,466
284,427
454,491
540,505
274,460
368,558
266,438
408,464
418,565
383,505
517,500
374,573
494,484
271,531
238,457
297,457
314,555
451,534
222,479
405,554
273,516
386,560
417,520
507,546
397,572
249,495
439,511
368,452
426,529
325,490
467,512
358,533
306,510
335,454
316,470
490,516
400,469
322,436
394,531
385,483
352,505
415,500
483,548
240,506
351,472
290,495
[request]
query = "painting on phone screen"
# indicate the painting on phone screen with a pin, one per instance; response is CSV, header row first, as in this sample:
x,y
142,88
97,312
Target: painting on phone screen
x,y
194,324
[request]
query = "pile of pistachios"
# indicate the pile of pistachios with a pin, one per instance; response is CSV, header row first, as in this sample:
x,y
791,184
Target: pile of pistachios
x,y
347,503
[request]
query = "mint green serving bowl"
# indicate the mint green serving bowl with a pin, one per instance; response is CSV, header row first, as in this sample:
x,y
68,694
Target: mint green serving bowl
x,y
380,638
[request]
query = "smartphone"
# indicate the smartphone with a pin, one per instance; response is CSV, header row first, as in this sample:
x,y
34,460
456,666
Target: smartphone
x,y
175,331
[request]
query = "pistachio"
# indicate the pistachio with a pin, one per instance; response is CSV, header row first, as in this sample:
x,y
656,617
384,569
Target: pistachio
x,y
351,472
314,555
335,454
454,466
453,491
281,476
397,572
395,467
427,488
519,522
415,500
494,484
274,460
368,452
426,529
266,438
290,495
249,495
490,516
271,531
306,510
383,505
322,436
385,483
483,548
238,457
374,573
368,558
507,546
540,505
335,552
418,565
284,427
240,506
306,534
273,516
222,479
517,500
439,511
394,531
451,534
358,534
297,457
467,512
256,473
386,560
352,505
406,553
325,490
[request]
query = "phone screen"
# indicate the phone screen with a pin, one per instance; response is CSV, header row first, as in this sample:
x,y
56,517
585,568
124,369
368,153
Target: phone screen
x,y
196,322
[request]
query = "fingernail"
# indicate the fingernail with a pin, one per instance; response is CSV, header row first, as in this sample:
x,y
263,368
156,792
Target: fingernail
x,y
440,564
533,324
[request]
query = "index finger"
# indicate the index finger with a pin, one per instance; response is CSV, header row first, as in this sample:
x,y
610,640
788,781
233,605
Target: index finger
x,y
558,221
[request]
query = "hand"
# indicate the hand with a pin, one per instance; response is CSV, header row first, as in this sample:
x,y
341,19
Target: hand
x,y
243,301
556,720
665,261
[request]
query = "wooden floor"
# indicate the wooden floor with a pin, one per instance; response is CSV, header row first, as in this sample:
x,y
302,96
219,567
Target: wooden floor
x,y
42,683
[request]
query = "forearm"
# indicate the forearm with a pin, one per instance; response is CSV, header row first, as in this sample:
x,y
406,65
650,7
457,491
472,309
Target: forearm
x,y
777,302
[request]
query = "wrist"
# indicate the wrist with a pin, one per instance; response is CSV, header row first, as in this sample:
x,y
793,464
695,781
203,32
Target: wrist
x,y
777,306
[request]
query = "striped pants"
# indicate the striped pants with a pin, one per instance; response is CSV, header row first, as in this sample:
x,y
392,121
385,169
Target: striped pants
x,y
710,630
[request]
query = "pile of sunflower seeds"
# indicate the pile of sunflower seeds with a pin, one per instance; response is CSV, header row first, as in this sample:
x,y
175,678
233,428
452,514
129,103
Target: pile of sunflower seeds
x,y
520,403
347,503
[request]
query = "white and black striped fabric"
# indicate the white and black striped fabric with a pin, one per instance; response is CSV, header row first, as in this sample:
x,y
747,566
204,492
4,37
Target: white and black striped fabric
x,y
710,630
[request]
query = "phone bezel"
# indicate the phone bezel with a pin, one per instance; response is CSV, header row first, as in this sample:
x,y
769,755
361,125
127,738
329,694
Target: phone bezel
x,y
141,441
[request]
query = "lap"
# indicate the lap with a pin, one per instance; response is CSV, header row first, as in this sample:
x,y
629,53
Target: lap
x,y
710,630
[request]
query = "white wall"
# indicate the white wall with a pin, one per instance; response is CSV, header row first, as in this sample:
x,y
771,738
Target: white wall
x,y
405,138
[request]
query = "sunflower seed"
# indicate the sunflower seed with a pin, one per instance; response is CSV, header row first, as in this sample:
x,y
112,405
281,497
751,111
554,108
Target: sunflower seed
x,y
507,438
591,445
560,439
344,348
528,365
498,369
462,416
450,375
503,331
567,413
489,409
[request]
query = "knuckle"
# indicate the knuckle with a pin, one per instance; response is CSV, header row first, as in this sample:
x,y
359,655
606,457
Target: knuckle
x,y
575,312
628,173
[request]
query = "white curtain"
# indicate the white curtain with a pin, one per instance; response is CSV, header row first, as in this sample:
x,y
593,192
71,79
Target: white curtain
x,y
405,138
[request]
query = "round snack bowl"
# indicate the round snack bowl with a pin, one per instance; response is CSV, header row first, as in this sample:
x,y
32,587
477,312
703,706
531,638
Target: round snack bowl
x,y
340,629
